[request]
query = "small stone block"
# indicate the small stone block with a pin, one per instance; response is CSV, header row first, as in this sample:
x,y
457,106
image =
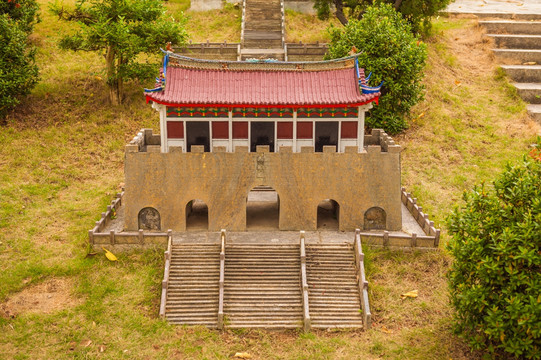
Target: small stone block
x,y
329,149
132,148
241,149
262,148
175,149
351,149
153,148
286,149
148,134
307,149
219,149
373,149
198,148
394,148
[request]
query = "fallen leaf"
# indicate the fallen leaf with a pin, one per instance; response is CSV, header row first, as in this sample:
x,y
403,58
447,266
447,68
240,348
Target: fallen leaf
x,y
410,294
457,82
243,355
101,348
86,343
530,63
73,344
109,255
385,330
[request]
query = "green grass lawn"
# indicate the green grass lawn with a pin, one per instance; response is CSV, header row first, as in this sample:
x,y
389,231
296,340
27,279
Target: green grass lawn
x,y
62,162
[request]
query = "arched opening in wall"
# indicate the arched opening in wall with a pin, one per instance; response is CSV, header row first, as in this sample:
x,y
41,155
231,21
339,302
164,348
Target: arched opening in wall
x,y
197,215
328,215
262,209
375,218
149,219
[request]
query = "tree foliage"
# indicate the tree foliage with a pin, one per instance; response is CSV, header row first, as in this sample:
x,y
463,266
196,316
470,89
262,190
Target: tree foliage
x,y
495,280
393,54
121,30
18,70
417,12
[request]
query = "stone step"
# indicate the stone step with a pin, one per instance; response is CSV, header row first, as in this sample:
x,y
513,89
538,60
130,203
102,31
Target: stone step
x,y
517,41
534,110
518,56
512,27
274,325
529,92
523,73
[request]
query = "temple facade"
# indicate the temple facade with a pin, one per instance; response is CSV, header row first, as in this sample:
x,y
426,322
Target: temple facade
x,y
227,128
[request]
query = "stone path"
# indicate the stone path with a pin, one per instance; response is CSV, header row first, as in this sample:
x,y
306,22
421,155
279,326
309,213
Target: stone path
x,y
524,9
517,37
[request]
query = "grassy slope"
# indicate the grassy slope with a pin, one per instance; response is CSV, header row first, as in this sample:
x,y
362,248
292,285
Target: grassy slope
x,y
62,162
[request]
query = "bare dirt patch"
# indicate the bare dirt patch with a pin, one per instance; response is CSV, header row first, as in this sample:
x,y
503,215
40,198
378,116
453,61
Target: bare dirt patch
x,y
45,298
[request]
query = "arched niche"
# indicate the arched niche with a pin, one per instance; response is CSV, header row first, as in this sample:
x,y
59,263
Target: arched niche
x,y
375,218
149,219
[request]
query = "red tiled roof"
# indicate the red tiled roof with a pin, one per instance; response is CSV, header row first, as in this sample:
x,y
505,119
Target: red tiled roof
x,y
187,86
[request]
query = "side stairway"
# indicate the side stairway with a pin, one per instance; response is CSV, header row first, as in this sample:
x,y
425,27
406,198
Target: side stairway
x,y
192,293
519,49
332,287
266,285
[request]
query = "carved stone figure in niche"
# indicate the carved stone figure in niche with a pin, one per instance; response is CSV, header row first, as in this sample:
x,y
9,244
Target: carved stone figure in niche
x,y
149,219
375,219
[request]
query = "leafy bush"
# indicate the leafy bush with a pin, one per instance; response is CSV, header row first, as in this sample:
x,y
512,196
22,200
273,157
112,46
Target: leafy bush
x,y
392,53
495,280
18,71
417,12
23,12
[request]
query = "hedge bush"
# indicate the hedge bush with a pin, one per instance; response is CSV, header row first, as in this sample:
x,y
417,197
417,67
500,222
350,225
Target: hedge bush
x,y
392,53
495,280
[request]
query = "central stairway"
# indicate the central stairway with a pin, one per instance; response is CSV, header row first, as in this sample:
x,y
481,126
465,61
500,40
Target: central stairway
x,y
262,287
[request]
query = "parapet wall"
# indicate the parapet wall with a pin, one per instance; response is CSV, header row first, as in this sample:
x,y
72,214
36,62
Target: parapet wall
x,y
357,181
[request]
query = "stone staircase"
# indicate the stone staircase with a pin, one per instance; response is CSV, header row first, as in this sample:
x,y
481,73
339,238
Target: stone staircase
x,y
266,285
192,293
518,45
262,34
262,287
332,286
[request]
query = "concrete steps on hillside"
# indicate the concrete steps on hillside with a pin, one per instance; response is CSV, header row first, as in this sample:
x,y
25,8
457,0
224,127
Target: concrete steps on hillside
x,y
530,92
511,27
523,73
332,286
260,54
262,287
518,45
514,41
518,56
192,294
535,112
262,26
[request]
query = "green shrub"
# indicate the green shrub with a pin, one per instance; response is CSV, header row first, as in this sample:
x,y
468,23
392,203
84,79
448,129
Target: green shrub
x,y
495,280
18,71
417,12
24,12
392,53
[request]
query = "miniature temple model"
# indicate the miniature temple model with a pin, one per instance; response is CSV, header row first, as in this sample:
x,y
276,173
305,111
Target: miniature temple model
x,y
229,127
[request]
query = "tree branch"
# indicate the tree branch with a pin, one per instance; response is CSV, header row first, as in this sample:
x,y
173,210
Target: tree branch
x,y
340,12
397,4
